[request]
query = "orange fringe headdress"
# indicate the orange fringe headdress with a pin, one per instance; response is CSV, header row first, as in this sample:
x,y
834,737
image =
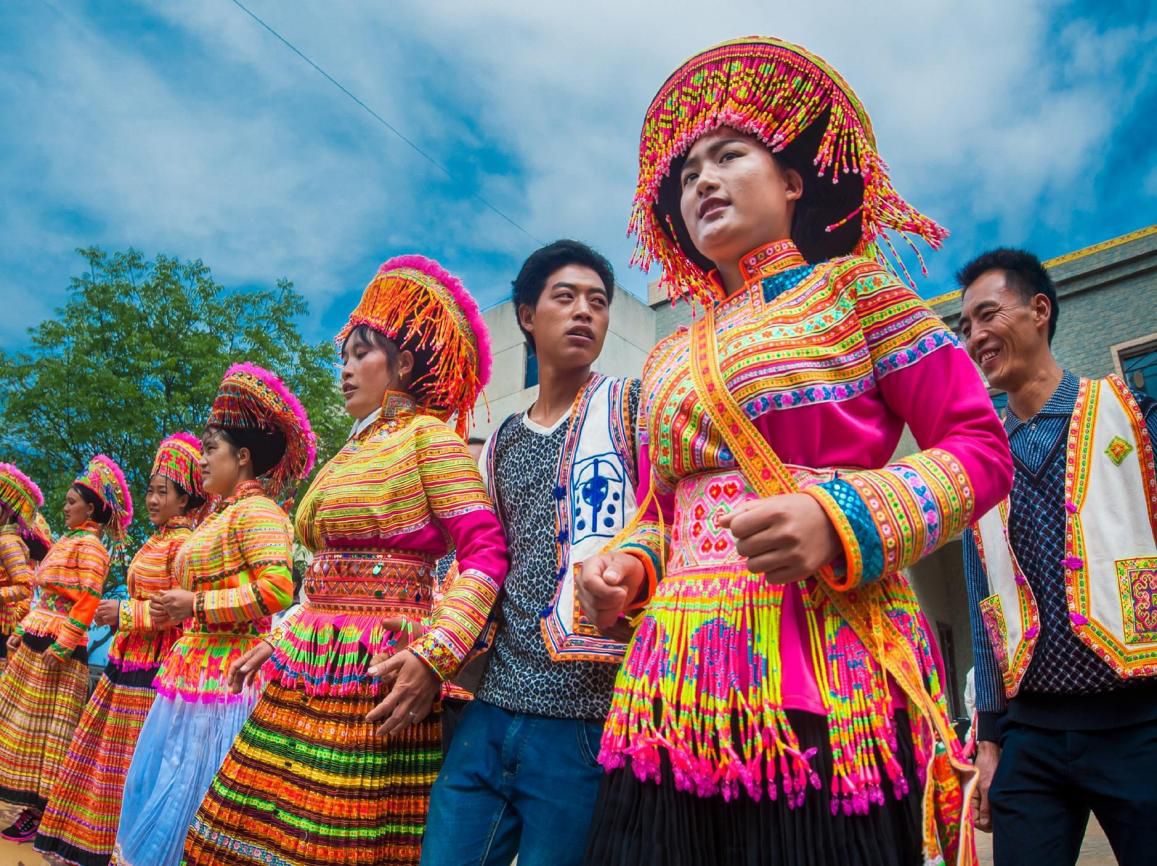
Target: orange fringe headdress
x,y
418,304
775,91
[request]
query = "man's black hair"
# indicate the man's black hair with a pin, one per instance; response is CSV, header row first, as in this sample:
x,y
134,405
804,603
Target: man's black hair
x,y
531,280
1023,273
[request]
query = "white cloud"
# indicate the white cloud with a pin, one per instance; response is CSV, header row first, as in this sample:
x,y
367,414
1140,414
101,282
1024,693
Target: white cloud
x,y
233,150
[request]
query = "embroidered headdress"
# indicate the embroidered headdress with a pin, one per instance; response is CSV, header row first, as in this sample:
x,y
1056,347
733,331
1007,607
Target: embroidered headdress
x,y
179,459
38,536
779,93
105,479
20,493
252,398
415,302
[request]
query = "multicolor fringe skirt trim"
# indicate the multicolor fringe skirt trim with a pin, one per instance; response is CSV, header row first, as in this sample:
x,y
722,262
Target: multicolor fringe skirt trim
x,y
39,708
655,823
179,750
310,783
80,824
702,683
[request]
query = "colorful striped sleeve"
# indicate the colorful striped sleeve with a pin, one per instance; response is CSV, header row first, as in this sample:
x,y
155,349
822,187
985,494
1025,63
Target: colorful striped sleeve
x,y
891,517
14,561
260,567
90,563
459,501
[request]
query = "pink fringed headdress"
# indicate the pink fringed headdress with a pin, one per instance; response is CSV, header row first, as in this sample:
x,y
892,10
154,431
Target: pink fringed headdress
x,y
106,480
20,493
417,303
253,398
773,90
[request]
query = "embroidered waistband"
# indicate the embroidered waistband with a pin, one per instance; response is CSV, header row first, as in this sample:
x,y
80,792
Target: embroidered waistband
x,y
350,580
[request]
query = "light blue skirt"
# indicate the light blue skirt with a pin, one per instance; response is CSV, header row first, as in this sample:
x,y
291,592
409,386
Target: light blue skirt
x,y
181,747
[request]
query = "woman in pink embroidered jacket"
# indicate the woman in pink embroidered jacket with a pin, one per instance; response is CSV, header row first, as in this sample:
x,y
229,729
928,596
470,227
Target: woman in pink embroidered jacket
x,y
756,718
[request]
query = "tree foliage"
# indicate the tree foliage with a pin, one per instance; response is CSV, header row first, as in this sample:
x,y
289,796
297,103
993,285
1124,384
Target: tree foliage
x,y
136,353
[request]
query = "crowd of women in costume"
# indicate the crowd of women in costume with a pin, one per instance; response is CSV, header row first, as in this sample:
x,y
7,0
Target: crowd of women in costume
x,y
780,696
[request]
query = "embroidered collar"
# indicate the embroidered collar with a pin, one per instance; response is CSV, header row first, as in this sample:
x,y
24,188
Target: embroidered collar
x,y
181,521
398,406
775,259
244,490
88,526
1059,405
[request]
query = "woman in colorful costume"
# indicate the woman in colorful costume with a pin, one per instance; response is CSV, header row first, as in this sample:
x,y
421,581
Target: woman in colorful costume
x,y
19,499
235,571
80,823
43,690
781,700
311,780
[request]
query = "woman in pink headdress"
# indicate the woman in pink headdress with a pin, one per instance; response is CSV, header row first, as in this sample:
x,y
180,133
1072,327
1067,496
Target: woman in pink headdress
x,y
43,690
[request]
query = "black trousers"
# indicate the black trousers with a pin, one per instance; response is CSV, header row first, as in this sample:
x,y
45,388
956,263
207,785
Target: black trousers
x,y
1047,783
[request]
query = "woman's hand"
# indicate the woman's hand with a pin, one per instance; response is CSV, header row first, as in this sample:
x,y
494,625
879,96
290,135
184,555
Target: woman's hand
x,y
177,604
243,671
413,689
13,642
607,583
108,612
784,538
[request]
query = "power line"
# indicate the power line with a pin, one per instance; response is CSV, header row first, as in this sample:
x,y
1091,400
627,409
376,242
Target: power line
x,y
412,144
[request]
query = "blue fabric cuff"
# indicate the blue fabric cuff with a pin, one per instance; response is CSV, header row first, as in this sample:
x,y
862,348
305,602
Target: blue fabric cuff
x,y
867,536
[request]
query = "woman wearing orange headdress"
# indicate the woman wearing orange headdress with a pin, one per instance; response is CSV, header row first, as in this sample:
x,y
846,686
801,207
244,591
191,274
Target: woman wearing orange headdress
x,y
781,700
19,499
43,690
80,822
312,779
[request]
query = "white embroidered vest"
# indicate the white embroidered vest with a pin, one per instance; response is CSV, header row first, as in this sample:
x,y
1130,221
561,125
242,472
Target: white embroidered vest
x,y
594,498
1110,562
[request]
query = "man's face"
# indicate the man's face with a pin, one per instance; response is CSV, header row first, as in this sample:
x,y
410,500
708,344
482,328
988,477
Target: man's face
x,y
1002,332
569,322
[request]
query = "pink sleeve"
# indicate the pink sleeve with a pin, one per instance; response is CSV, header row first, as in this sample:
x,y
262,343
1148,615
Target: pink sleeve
x,y
891,517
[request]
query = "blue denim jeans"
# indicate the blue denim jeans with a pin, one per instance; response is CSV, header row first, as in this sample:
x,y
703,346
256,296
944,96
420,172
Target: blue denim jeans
x,y
514,784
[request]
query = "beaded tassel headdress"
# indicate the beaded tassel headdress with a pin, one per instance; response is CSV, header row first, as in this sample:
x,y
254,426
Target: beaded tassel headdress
x,y
251,397
20,493
104,478
417,303
775,91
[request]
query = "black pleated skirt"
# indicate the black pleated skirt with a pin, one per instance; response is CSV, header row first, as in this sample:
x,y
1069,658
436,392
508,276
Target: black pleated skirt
x,y
639,823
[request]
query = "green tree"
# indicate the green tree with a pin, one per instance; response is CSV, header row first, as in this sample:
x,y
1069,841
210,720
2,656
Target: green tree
x,y
136,353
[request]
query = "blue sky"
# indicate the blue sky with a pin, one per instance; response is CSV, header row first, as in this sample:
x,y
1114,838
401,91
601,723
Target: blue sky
x,y
182,127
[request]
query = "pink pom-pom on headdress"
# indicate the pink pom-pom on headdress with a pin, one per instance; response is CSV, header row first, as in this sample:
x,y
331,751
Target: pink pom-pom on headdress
x,y
24,481
252,397
301,419
462,298
415,301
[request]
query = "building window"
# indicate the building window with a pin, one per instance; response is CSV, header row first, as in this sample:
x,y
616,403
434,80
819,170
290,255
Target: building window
x,y
1139,368
948,654
999,401
530,379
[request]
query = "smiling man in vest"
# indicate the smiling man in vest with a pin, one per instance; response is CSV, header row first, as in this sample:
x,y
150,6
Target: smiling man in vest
x,y
1062,586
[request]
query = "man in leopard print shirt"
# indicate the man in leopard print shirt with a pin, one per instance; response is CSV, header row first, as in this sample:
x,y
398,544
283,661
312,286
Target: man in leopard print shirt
x,y
522,775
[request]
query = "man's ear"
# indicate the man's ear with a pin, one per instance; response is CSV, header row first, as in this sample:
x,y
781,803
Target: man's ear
x,y
526,318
